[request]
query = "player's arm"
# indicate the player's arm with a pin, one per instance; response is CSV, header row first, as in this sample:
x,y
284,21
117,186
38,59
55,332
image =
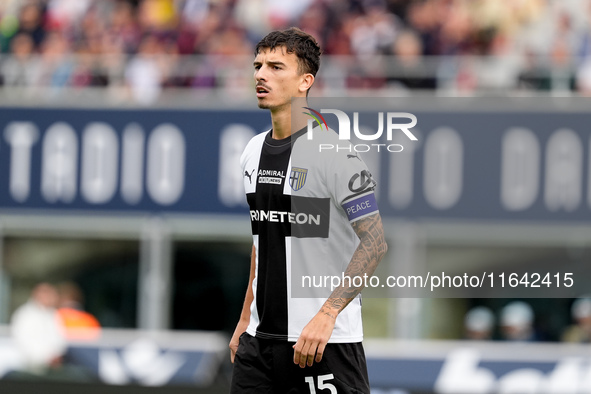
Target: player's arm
x,y
245,315
365,260
367,256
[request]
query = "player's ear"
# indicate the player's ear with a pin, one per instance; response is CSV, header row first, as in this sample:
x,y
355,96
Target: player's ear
x,y
306,82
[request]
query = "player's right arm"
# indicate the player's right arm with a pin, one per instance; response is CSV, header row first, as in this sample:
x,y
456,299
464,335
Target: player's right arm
x,y
245,315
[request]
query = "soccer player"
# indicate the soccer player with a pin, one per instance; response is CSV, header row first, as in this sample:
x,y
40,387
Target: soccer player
x,y
307,210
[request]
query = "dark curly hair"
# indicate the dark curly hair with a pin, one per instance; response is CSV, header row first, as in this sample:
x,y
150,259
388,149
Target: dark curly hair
x,y
296,41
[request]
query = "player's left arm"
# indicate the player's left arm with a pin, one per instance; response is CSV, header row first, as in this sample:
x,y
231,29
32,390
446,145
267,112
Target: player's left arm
x,y
370,251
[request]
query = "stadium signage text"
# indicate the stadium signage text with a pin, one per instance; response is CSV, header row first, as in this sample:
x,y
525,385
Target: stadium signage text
x,y
513,166
98,170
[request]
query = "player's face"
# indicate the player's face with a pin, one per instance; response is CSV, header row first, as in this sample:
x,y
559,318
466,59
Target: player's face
x,y
277,78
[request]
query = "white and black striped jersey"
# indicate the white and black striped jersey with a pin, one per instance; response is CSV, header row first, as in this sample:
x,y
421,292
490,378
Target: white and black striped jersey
x,y
301,204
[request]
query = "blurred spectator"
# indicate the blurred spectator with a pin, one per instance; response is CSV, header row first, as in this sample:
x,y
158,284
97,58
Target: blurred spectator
x,y
583,78
229,70
38,332
479,323
30,22
145,72
123,27
22,68
373,32
158,16
252,15
517,320
562,53
501,70
534,76
194,11
580,332
584,49
91,45
410,71
58,67
78,324
583,72
456,33
282,13
62,14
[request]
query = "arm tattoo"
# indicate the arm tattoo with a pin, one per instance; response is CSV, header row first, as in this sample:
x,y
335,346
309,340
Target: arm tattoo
x,y
367,256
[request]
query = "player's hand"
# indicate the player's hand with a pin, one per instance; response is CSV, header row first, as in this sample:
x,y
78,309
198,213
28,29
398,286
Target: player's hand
x,y
313,339
240,328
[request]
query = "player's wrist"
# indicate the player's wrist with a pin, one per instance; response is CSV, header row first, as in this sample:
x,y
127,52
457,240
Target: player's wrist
x,y
330,312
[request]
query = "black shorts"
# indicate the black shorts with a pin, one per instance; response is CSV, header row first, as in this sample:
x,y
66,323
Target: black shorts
x,y
265,366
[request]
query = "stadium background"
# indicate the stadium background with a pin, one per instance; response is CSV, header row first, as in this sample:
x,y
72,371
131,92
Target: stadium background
x,y
162,257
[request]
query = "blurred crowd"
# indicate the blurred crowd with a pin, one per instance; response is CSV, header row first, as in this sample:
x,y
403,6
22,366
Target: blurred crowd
x,y
373,44
517,322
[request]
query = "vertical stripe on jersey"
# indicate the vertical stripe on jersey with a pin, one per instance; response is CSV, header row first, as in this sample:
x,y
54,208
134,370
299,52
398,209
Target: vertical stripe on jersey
x,y
271,295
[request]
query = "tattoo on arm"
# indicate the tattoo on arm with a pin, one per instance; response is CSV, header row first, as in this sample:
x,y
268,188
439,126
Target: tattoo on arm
x,y
367,256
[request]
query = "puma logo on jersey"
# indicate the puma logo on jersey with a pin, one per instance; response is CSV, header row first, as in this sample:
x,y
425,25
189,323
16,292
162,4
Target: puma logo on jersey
x,y
249,176
353,156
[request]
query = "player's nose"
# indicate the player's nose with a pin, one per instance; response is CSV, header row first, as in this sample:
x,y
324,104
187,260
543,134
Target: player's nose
x,y
260,74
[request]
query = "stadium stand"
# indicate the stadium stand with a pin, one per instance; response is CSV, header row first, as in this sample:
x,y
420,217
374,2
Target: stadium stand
x,y
135,49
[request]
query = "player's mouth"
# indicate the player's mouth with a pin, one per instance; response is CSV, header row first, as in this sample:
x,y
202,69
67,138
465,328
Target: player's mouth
x,y
262,91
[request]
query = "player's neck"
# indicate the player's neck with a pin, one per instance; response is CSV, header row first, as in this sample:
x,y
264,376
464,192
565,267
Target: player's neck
x,y
283,123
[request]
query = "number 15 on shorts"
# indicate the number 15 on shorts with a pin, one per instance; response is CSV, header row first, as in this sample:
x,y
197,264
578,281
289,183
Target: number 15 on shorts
x,y
322,385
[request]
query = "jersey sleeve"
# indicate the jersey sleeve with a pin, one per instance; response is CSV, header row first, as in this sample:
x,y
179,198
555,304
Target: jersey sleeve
x,y
244,155
353,186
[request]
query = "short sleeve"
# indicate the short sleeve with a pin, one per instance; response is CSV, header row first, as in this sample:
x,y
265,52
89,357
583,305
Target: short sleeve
x,y
353,186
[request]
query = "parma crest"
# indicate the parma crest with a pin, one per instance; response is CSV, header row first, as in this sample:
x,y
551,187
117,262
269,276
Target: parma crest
x,y
297,178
